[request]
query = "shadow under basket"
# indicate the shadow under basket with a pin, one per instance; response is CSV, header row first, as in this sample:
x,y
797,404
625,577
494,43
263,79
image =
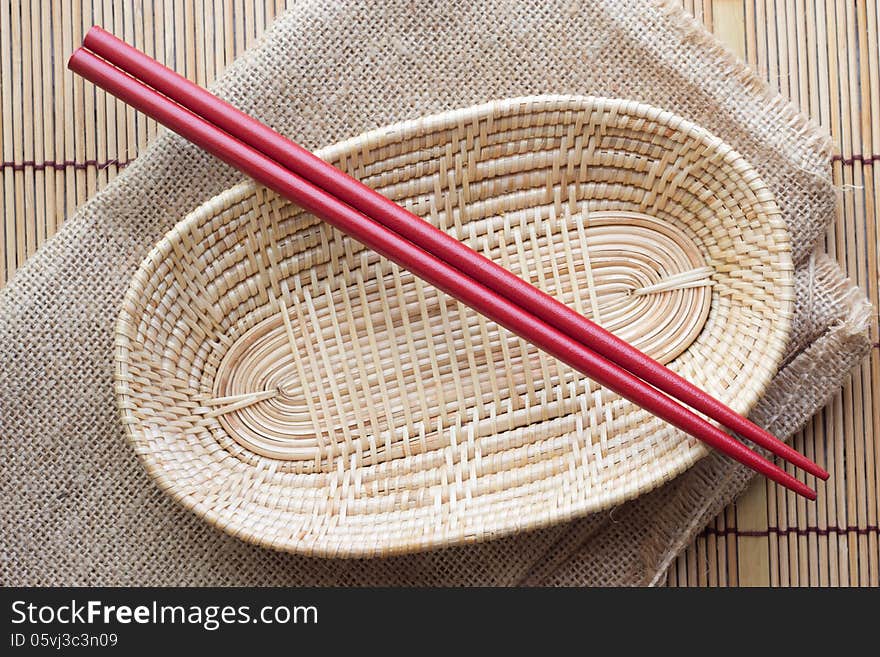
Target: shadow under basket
x,y
302,393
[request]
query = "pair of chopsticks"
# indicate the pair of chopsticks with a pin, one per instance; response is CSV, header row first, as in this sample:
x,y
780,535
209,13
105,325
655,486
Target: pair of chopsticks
x,y
429,253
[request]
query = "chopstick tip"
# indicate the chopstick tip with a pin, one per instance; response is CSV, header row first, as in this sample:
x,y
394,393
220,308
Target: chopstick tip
x,y
806,491
792,483
807,465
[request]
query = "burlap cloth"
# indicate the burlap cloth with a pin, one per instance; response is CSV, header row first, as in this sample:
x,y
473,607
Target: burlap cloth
x,y
77,507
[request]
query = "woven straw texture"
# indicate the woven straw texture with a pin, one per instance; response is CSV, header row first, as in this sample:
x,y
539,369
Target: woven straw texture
x,y
360,412
83,510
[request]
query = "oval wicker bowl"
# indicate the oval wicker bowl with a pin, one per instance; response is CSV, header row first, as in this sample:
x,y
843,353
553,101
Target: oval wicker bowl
x,y
299,392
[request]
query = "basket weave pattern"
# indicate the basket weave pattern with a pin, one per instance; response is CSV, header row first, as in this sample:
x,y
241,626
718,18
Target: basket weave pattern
x,y
300,392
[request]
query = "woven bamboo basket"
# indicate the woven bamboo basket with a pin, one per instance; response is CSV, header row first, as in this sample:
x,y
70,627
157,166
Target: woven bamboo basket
x,y
302,393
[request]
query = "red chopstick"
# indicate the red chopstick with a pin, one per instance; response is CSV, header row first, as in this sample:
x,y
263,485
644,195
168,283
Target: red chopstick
x,y
428,267
435,241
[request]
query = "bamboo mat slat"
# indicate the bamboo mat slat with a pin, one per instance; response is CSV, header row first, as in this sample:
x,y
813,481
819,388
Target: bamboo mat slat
x,y
61,141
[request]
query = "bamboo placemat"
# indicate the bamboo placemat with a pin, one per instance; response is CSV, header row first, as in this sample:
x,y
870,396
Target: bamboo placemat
x,y
824,56
61,142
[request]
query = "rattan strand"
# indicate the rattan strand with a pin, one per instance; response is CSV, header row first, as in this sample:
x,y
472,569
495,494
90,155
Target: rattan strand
x,y
302,393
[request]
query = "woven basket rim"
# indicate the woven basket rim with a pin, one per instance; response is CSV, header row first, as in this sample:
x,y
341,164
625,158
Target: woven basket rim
x,y
386,134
